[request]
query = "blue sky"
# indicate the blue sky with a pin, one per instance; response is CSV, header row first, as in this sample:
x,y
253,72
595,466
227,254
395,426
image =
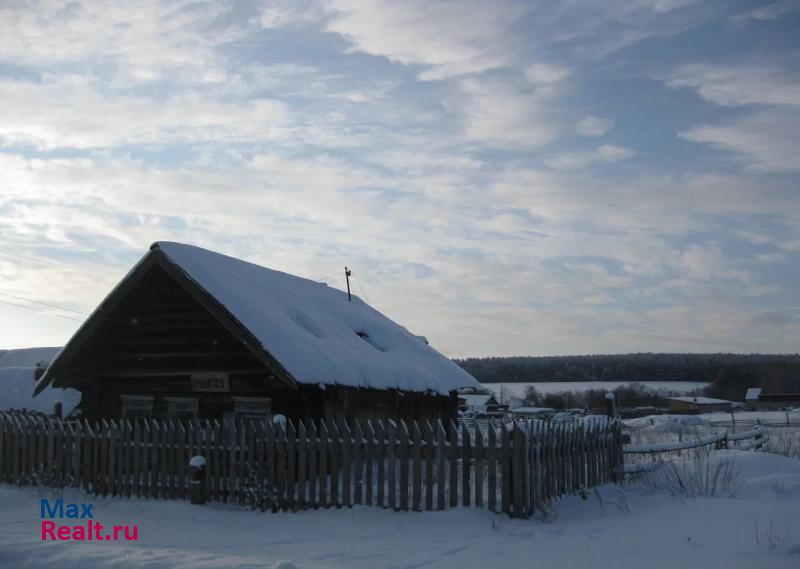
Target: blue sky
x,y
502,177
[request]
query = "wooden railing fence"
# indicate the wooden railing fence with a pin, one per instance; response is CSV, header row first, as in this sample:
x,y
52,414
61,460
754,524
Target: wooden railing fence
x,y
514,469
754,439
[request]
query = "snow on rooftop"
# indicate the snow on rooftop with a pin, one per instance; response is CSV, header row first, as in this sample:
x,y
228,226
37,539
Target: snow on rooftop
x,y
753,393
17,369
475,400
534,410
312,329
27,357
700,400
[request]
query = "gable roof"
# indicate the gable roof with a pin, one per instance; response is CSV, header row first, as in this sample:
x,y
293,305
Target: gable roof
x,y
307,330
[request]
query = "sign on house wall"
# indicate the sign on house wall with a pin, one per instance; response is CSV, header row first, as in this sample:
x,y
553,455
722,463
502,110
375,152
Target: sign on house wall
x,y
210,381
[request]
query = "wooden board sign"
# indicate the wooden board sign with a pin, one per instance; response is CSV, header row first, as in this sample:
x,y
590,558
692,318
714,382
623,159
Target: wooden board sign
x,y
210,382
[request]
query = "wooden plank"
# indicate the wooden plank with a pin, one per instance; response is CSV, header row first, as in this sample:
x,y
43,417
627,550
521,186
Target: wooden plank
x,y
219,444
182,456
312,449
24,437
403,435
156,490
76,435
136,459
267,447
301,465
358,464
102,463
164,467
391,439
15,450
369,460
280,466
346,463
334,448
380,460
324,479
51,450
505,470
428,453
86,462
477,454
466,465
518,462
491,459
441,466
231,439
416,459
291,465
111,487
452,459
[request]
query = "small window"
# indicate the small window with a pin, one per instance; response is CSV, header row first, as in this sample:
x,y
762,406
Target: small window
x,y
137,406
259,408
181,407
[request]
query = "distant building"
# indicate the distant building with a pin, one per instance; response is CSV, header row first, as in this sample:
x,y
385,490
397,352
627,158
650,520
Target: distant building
x,y
756,400
690,405
476,404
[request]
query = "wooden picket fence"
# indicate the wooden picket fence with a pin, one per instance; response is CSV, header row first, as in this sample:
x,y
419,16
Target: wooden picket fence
x,y
515,469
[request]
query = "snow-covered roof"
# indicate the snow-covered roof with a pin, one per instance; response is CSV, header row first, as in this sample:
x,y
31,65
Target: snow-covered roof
x,y
476,400
533,410
310,329
701,400
27,357
753,393
17,372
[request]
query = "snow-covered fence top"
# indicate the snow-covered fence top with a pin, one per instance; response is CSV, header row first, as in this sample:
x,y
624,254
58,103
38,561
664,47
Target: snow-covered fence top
x,y
722,439
397,465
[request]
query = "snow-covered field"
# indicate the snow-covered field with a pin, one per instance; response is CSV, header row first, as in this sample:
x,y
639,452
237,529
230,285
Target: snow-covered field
x,y
634,527
518,389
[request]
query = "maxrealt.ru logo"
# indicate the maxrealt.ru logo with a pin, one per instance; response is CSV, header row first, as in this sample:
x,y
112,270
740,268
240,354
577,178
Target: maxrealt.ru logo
x,y
91,530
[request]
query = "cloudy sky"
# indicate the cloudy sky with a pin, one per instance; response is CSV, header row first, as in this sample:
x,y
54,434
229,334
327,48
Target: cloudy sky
x,y
502,177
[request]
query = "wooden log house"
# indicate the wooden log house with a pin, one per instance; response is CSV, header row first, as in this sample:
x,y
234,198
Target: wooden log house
x,y
193,333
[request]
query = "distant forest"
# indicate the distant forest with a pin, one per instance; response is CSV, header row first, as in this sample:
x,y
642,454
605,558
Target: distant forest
x,y
778,373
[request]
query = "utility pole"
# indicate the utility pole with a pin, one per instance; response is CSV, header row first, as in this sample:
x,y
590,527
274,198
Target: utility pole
x,y
347,278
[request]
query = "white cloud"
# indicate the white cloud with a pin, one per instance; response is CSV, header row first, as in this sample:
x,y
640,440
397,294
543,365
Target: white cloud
x,y
546,73
593,126
604,154
767,12
739,85
764,142
499,114
77,111
450,39
158,40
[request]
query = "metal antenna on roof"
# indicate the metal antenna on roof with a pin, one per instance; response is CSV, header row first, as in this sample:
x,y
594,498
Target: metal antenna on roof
x,y
347,274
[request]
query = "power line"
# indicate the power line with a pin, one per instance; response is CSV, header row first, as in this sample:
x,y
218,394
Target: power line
x,y
33,308
43,304
361,288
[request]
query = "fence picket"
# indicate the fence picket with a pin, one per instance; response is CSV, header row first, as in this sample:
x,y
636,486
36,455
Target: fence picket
x,y
416,475
429,457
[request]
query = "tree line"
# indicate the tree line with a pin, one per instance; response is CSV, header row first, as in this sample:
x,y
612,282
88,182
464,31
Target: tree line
x,y
729,374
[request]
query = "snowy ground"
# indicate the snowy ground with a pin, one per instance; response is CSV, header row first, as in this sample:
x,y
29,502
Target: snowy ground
x,y
759,527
